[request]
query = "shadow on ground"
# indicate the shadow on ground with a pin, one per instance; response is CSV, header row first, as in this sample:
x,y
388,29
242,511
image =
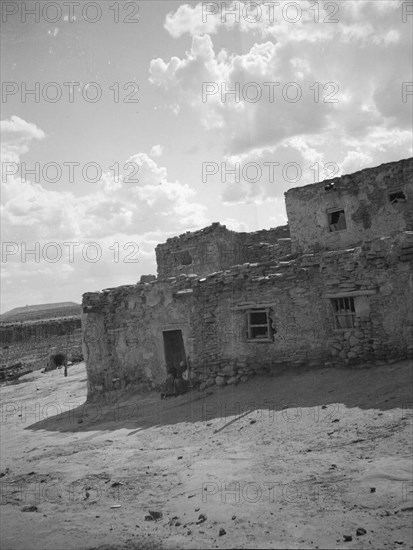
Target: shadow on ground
x,y
383,388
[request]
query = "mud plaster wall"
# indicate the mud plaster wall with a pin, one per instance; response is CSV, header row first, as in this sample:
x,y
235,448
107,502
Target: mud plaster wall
x,y
123,335
384,317
364,198
215,248
299,301
123,341
222,350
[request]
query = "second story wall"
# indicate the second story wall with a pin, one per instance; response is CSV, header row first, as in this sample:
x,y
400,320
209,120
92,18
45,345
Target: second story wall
x,y
216,248
346,211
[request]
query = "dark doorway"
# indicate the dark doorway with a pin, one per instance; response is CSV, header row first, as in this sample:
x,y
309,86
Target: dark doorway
x,y
174,348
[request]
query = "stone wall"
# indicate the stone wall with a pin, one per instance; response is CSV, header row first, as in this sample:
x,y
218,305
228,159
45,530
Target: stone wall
x,y
298,295
215,248
16,332
364,196
123,334
123,327
31,343
35,313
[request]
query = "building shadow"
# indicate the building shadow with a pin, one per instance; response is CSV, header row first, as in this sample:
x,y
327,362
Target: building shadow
x,y
288,396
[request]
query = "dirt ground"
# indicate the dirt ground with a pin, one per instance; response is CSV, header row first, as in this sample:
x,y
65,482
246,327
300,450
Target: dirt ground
x,y
301,460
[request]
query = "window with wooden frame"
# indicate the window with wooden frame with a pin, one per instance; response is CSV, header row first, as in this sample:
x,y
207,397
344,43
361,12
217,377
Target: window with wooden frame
x,y
344,312
259,325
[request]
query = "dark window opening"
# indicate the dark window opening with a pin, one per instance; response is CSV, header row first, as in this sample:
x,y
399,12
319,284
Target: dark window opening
x,y
183,258
259,325
337,220
344,312
397,196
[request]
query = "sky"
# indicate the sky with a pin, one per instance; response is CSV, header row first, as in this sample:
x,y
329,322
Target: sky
x,y
149,119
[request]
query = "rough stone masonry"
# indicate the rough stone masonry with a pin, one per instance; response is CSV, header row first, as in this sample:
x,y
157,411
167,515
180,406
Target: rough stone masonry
x,y
333,288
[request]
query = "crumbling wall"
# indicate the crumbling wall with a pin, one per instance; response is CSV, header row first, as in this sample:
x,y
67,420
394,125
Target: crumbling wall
x,y
123,334
32,330
298,294
379,276
215,248
223,352
365,198
32,342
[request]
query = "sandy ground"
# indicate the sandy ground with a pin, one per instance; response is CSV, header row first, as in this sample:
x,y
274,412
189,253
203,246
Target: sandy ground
x,y
296,461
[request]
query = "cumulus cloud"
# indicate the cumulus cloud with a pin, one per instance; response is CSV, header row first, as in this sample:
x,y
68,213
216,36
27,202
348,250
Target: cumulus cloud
x,y
118,216
16,134
324,90
156,151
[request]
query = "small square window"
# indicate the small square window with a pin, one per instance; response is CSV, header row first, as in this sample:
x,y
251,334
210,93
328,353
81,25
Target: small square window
x,y
397,196
344,312
337,220
259,325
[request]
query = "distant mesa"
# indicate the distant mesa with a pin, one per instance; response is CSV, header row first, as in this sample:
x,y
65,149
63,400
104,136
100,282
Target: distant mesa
x,y
41,311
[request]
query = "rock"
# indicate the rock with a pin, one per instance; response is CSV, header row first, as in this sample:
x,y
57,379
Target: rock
x,y
29,508
210,382
220,381
232,380
234,517
202,386
372,489
155,515
222,532
201,518
360,532
348,538
244,379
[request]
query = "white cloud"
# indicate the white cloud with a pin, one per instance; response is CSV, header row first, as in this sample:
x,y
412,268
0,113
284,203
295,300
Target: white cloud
x,y
349,74
156,151
188,19
119,216
16,134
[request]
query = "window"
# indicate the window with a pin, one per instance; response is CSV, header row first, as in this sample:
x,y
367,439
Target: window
x,y
344,312
397,196
336,220
259,325
183,257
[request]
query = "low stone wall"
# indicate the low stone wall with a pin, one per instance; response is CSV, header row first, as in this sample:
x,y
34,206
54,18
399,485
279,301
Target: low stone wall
x,y
31,343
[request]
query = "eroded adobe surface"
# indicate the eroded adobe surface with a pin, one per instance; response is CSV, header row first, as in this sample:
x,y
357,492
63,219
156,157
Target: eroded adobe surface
x,y
334,298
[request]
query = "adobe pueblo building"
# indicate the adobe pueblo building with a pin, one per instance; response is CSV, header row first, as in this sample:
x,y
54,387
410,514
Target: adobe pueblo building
x,y
333,287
